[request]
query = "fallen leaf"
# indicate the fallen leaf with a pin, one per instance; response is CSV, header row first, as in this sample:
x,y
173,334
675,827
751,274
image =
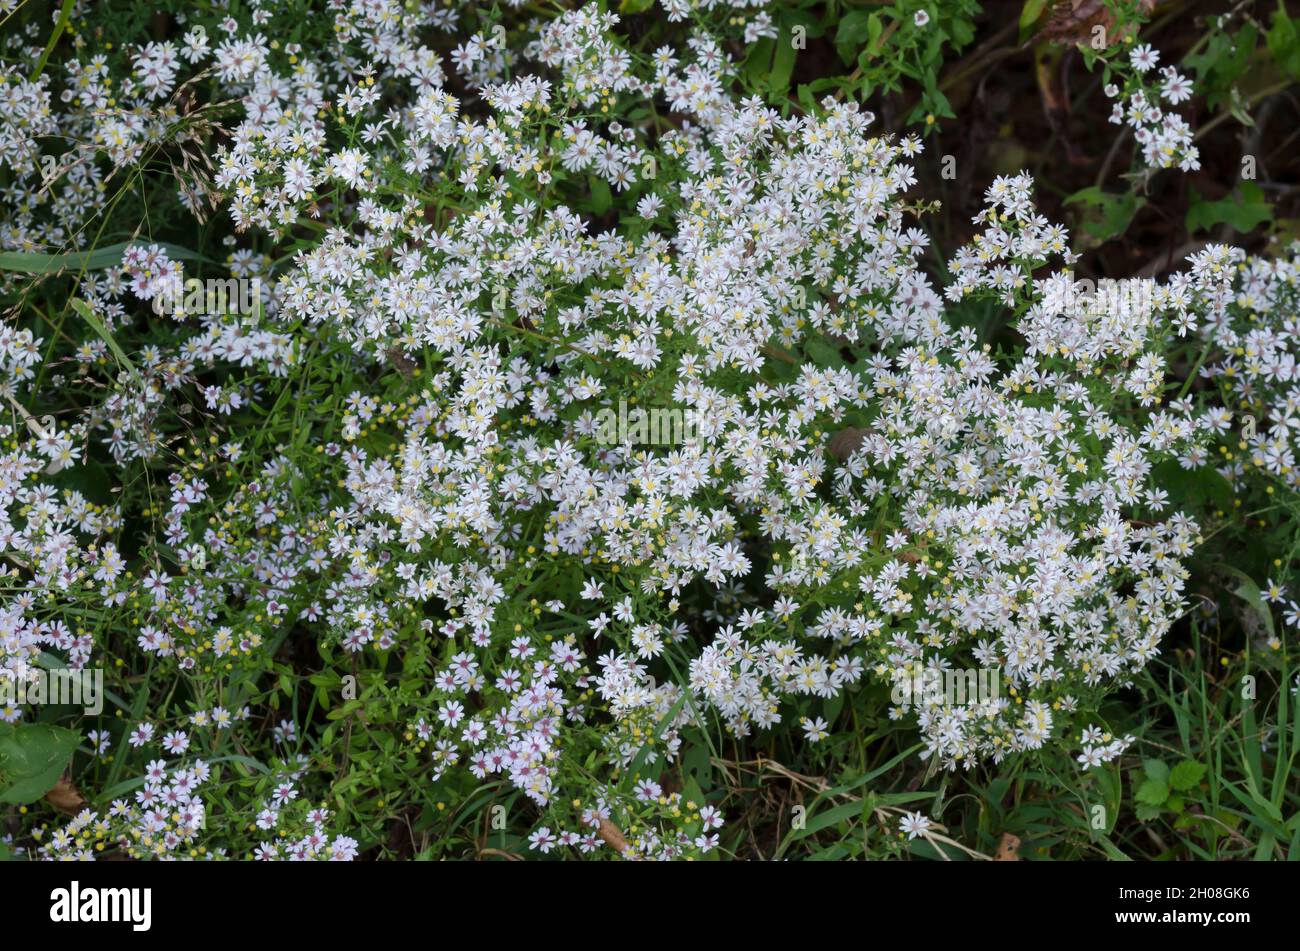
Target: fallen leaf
x,y
843,443
401,362
65,797
509,856
612,835
1073,21
1008,849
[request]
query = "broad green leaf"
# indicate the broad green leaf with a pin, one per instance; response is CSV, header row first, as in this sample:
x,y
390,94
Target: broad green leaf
x,y
758,62
856,28
1186,775
823,354
32,758
1192,488
601,198
1284,43
1105,215
778,81
1156,769
1152,792
961,30
1244,213
1146,812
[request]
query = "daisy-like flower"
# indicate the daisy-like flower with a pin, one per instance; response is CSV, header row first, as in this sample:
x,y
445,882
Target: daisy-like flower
x,y
1176,88
542,839
141,734
1143,57
914,825
814,730
1090,757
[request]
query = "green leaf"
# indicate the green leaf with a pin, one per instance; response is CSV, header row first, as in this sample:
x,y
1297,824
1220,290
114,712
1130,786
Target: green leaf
x,y
32,758
833,707
1192,488
1249,592
778,81
829,817
1283,42
696,763
36,262
1153,792
758,62
962,31
1221,64
248,764
600,196
823,354
1186,775
1156,769
1243,214
1147,813
1261,809
1030,14
635,6
65,17
857,28
349,707
1104,215
89,316
875,30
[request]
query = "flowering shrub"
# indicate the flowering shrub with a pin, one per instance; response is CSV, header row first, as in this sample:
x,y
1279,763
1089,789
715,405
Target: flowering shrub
x,y
321,452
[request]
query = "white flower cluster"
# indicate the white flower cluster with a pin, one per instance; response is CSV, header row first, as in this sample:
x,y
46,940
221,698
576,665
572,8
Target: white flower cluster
x,y
1252,336
1165,137
922,508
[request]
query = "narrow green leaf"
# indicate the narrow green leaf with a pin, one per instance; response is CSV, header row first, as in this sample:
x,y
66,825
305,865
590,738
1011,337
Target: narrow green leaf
x,y
97,325
38,262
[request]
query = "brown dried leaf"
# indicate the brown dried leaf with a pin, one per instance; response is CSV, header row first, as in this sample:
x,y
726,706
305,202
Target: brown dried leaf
x,y
1072,22
499,853
843,443
65,797
403,364
1008,849
612,835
